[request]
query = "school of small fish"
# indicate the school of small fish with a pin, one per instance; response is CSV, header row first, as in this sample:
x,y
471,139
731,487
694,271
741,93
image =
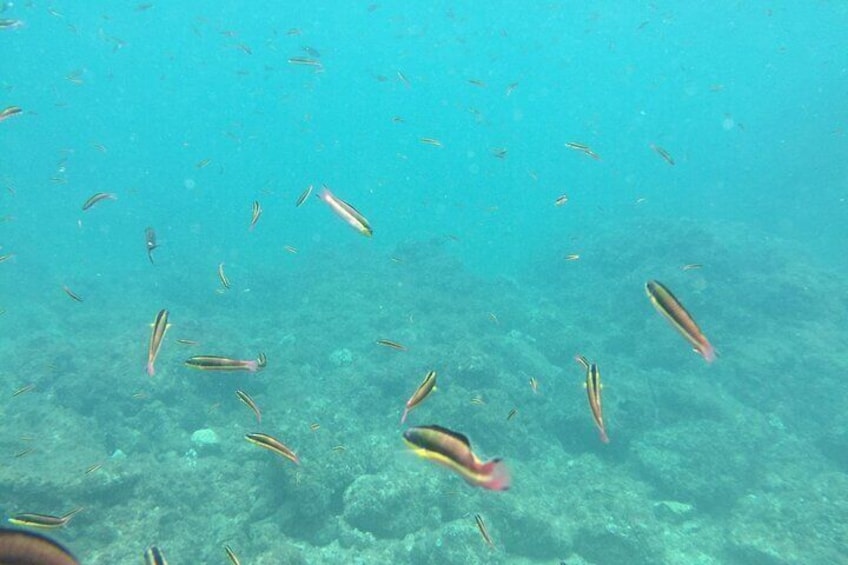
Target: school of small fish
x,y
435,443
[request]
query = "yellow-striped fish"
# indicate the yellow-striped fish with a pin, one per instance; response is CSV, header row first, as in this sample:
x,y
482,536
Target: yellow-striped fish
x,y
346,212
232,555
249,402
98,197
154,556
225,282
481,525
308,61
11,110
257,212
391,344
663,153
453,450
272,444
215,363
423,390
23,390
583,148
72,294
160,326
44,521
93,468
667,305
431,141
593,390
303,196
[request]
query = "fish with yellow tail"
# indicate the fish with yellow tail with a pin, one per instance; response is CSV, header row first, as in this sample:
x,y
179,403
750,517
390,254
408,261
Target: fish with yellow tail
x,y
160,326
593,390
453,450
216,363
346,212
422,392
673,311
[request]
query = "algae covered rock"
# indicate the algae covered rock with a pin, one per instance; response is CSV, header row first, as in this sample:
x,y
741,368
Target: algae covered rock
x,y
701,462
205,439
380,505
673,511
803,522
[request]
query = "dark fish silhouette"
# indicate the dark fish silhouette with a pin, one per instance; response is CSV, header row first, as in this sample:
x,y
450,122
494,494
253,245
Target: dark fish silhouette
x,y
150,237
27,548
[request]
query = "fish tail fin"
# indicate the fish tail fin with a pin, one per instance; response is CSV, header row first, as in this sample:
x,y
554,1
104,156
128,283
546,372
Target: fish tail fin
x,y
405,414
72,513
709,352
499,478
604,436
150,370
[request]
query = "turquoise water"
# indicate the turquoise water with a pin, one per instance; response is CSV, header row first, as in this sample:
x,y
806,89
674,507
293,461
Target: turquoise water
x,y
189,112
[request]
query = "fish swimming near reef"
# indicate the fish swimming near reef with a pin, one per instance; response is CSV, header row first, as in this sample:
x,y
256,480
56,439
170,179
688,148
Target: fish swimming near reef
x,y
453,450
673,311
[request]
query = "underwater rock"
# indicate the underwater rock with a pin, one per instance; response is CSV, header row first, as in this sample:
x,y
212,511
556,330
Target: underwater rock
x,y
673,511
700,461
378,504
205,439
801,523
341,357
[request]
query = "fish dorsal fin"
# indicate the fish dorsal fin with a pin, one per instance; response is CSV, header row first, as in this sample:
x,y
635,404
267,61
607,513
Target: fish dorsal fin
x,y
456,435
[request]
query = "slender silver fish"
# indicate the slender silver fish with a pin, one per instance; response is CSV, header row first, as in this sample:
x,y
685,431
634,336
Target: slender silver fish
x,y
346,212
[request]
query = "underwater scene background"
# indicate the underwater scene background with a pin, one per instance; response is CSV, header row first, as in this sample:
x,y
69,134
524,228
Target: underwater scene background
x,y
707,151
